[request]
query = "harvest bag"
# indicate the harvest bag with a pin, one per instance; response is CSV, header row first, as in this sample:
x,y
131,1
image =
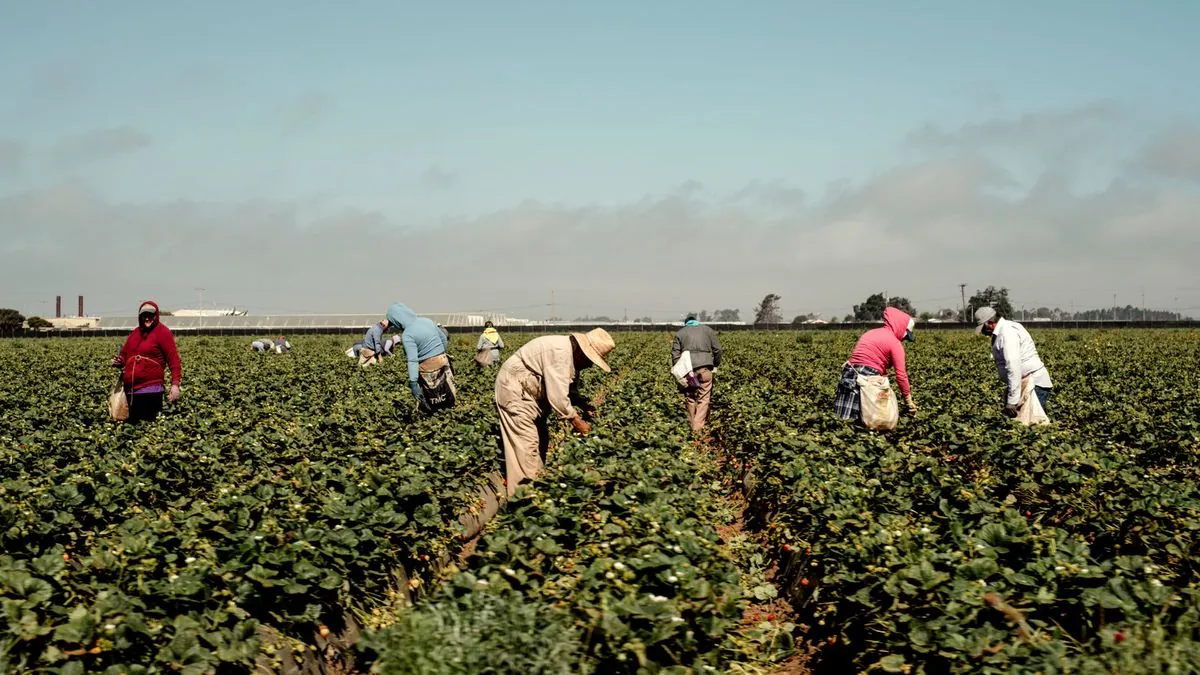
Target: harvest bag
x,y
438,388
118,406
484,357
1030,411
880,410
682,370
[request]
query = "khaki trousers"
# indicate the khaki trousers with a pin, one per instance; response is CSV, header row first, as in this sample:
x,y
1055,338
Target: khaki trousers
x,y
524,429
366,357
698,399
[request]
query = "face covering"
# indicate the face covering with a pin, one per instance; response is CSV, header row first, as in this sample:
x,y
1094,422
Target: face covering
x,y
908,336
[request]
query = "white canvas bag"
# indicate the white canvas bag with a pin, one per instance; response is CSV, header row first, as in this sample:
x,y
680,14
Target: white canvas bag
x,y
877,401
1029,409
682,368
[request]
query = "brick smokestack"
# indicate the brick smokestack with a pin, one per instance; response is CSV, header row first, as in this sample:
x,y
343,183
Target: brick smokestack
x,y
58,306
81,305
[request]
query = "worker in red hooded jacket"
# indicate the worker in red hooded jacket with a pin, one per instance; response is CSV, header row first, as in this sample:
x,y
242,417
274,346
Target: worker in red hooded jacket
x,y
876,351
148,352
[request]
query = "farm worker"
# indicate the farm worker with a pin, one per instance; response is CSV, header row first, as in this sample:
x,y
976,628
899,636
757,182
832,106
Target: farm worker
x,y
427,349
390,344
877,350
1016,358
538,378
704,350
489,342
148,352
282,345
354,349
260,346
372,344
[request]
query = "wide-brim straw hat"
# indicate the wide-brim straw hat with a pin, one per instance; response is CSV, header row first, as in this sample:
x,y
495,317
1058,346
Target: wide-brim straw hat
x,y
595,344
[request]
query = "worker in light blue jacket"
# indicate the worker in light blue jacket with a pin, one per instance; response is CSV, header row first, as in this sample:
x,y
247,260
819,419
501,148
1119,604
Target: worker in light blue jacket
x,y
430,377
372,344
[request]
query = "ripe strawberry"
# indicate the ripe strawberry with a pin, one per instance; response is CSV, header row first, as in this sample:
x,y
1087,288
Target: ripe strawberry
x,y
804,582
323,631
1118,637
787,547
770,617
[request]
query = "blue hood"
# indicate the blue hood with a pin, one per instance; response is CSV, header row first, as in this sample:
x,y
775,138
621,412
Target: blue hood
x,y
399,315
422,338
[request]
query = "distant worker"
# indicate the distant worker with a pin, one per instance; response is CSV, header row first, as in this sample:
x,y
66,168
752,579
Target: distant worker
x,y
372,344
279,345
1016,358
703,348
540,377
487,348
144,359
877,350
430,375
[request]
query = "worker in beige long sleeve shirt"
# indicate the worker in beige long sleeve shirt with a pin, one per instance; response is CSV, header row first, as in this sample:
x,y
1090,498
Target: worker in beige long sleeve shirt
x,y
540,378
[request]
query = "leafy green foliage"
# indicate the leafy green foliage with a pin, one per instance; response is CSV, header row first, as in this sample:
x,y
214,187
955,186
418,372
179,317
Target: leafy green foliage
x,y
963,542
280,491
618,532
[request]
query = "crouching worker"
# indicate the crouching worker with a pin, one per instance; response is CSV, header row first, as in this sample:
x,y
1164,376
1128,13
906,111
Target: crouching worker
x,y
876,351
430,374
279,346
541,377
370,350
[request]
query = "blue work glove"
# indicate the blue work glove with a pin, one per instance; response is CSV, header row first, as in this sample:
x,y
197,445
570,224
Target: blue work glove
x,y
415,387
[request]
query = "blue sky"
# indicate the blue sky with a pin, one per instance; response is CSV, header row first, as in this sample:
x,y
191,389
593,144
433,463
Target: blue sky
x,y
418,112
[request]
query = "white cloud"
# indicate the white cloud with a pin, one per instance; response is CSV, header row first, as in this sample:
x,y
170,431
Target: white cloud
x,y
915,230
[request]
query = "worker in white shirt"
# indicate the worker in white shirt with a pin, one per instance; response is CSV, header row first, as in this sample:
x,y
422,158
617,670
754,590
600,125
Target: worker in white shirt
x,y
1016,358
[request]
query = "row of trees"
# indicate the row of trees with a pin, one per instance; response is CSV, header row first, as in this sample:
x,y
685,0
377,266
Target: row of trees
x,y
13,322
871,309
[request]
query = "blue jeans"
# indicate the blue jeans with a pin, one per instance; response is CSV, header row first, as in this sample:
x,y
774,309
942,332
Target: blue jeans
x,y
1043,394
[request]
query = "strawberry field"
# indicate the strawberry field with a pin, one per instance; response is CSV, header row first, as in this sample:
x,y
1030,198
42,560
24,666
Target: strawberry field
x,y
295,509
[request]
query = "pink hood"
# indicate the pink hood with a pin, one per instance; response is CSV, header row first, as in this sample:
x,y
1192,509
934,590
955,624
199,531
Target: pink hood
x,y
896,321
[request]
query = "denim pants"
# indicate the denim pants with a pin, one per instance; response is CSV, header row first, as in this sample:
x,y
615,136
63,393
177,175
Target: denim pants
x,y
1043,394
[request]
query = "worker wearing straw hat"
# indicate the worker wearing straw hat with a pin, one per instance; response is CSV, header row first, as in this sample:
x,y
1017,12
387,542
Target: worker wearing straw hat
x,y
540,378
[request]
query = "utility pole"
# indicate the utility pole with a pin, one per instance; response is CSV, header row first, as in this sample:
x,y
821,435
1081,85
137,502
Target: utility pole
x,y
962,289
201,291
1114,306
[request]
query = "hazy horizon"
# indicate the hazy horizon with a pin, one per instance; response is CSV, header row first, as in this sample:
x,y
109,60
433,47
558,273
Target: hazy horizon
x,y
633,159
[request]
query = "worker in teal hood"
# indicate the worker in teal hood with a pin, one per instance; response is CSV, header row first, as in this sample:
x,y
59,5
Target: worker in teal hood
x,y
425,345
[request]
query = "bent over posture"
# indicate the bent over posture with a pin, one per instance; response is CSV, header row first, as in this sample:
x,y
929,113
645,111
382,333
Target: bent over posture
x,y
538,378
426,346
1016,358
876,351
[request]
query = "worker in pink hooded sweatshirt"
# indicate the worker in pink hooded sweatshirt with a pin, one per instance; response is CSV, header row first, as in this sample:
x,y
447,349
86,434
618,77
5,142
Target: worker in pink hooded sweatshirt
x,y
876,351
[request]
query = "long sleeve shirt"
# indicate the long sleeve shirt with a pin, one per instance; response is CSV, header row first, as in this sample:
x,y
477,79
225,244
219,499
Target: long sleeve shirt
x,y
701,343
545,368
422,338
1016,358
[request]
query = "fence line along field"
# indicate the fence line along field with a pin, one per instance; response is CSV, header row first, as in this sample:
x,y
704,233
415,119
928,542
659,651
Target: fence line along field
x,y
289,498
